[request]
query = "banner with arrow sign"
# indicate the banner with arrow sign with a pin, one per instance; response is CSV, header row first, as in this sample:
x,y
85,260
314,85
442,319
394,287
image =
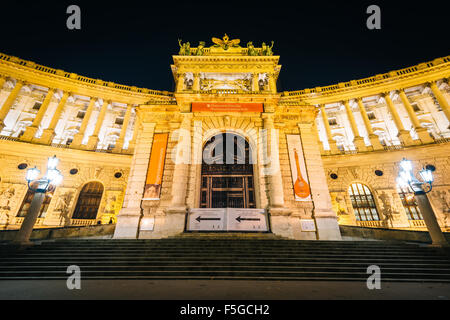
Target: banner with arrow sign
x,y
247,220
227,219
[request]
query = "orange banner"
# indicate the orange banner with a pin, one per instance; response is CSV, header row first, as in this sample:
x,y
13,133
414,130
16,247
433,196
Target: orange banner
x,y
226,107
156,166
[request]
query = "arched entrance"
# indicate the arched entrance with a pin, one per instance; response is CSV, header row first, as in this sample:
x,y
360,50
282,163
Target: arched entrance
x,y
227,173
88,201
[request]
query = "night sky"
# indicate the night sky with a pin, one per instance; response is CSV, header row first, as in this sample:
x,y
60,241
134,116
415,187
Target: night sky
x,y
320,42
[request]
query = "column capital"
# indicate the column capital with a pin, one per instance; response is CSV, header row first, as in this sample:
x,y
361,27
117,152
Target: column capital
x,y
385,94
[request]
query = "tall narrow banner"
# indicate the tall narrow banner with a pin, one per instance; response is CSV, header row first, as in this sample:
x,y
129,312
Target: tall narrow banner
x,y
302,191
155,171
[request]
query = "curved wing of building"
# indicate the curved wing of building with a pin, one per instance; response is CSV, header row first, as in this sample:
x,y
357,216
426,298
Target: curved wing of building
x,y
226,151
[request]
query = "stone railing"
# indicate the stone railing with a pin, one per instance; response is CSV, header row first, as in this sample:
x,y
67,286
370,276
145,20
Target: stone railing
x,y
19,221
371,224
386,148
82,222
374,80
417,224
74,76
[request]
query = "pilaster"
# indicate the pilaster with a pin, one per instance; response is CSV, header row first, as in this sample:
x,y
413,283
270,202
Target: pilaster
x,y
130,215
325,217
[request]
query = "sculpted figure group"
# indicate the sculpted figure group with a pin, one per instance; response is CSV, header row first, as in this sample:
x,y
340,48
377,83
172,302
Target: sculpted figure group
x,y
225,44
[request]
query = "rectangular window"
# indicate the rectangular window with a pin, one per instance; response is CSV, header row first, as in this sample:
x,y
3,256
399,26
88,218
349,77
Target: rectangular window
x,y
119,121
415,107
332,121
81,114
371,115
37,105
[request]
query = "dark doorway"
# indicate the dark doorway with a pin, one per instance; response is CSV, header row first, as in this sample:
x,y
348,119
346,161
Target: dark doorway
x,y
227,173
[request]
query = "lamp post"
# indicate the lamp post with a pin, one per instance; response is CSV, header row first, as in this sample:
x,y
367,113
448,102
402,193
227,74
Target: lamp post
x,y
420,188
39,186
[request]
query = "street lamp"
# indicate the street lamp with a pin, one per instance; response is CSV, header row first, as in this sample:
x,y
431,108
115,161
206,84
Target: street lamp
x,y
39,187
420,188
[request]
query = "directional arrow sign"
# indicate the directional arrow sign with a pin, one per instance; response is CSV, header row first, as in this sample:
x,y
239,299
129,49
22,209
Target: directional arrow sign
x,y
199,219
239,219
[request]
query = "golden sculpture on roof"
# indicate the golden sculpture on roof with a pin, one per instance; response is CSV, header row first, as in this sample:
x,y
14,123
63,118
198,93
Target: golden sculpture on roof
x,y
226,43
219,47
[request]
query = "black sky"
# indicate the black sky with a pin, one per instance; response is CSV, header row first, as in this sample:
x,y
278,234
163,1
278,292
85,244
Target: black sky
x,y
131,42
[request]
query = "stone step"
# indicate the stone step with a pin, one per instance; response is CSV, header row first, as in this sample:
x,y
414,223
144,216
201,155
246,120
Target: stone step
x,y
225,257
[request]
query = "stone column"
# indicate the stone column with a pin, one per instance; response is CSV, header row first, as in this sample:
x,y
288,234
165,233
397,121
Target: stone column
x,y
132,144
422,132
255,79
332,143
78,138
325,217
31,130
119,143
196,85
358,141
49,133
9,102
273,169
403,134
93,140
180,82
440,98
272,83
181,170
130,215
374,139
2,82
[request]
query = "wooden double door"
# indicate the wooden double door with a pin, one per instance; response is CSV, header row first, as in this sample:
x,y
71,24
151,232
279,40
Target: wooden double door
x,y
227,179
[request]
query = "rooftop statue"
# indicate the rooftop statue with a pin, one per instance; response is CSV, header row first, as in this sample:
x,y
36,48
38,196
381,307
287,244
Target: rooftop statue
x,y
226,42
185,48
251,51
201,46
266,50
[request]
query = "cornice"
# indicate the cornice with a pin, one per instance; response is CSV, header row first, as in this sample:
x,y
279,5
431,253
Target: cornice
x,y
31,72
393,80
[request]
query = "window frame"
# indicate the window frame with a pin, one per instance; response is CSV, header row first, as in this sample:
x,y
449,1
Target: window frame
x,y
363,202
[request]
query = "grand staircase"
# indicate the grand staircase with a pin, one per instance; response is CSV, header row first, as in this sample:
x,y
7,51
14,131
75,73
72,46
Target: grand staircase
x,y
229,256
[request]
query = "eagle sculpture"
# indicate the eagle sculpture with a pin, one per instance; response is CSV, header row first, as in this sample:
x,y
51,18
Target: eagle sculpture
x,y
225,43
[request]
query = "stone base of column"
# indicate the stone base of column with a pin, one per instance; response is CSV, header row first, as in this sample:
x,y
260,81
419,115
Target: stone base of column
x,y
277,211
327,228
118,146
29,134
359,144
92,143
405,138
424,136
128,224
131,147
47,137
333,147
375,142
77,140
176,209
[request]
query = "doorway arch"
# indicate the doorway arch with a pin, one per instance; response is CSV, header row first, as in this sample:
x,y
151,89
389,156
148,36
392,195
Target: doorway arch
x,y
227,179
88,201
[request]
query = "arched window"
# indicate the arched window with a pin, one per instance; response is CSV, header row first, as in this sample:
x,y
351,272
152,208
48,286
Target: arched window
x,y
410,204
88,201
363,203
26,203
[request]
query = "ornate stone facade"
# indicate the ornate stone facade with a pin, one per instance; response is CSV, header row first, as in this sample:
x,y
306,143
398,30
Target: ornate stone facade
x,y
104,132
